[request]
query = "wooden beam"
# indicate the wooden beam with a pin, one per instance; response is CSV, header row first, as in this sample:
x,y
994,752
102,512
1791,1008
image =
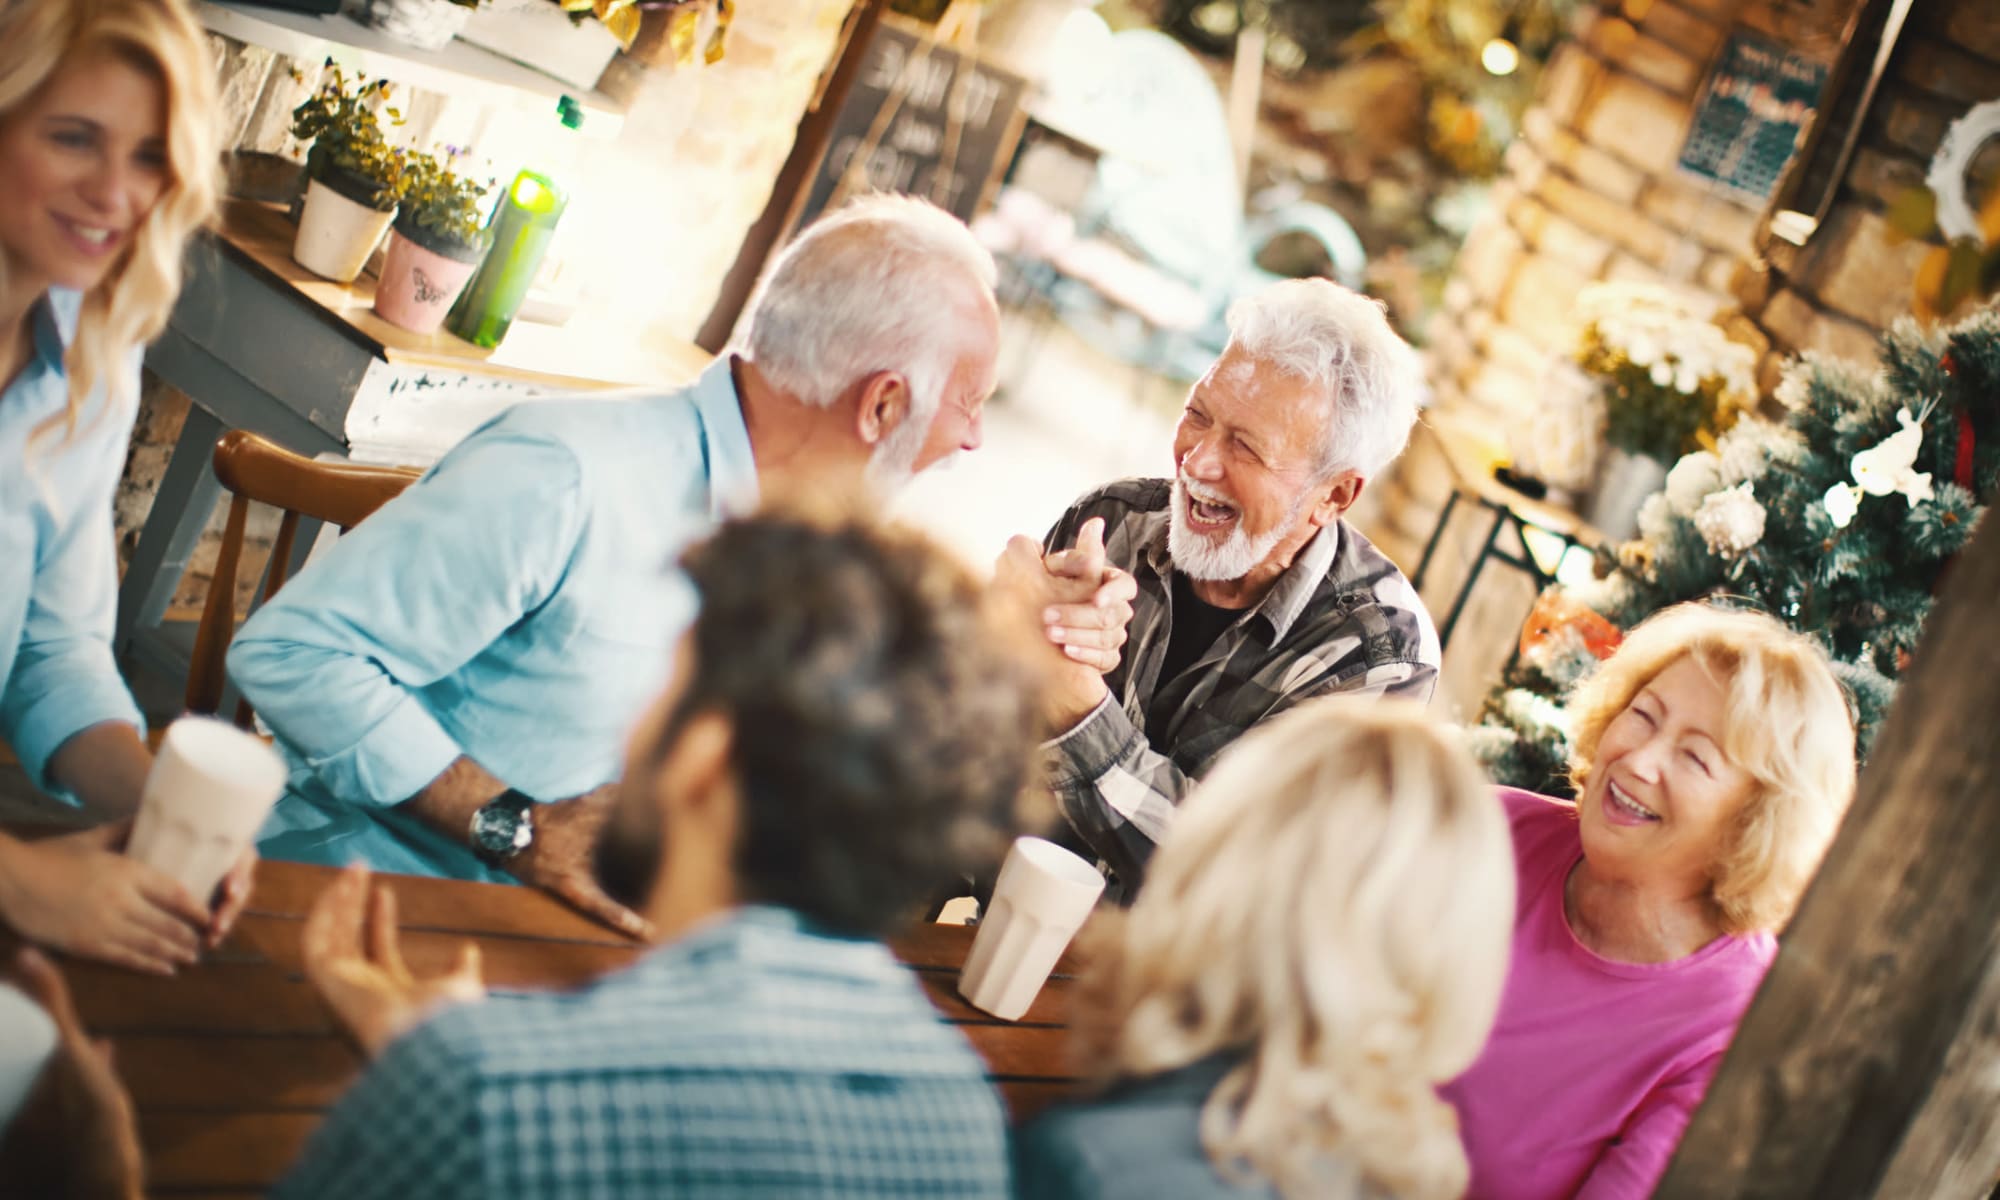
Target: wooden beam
x,y
794,184
1869,1063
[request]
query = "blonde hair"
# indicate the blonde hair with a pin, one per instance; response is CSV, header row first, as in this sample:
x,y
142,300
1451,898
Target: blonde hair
x,y
1785,721
1334,905
130,307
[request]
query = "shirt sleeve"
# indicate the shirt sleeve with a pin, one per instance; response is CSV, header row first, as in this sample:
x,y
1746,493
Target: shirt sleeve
x,y
407,598
1120,794
1631,1167
409,1127
65,679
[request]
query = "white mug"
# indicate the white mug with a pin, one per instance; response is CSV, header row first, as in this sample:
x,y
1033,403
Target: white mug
x,y
210,789
27,1038
1041,899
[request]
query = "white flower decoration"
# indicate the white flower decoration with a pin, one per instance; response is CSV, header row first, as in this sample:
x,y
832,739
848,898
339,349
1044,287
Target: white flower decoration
x,y
1691,480
1731,521
1842,501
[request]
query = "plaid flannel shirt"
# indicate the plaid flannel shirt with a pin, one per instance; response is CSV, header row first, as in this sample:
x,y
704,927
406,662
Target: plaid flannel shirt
x,y
1342,619
754,1058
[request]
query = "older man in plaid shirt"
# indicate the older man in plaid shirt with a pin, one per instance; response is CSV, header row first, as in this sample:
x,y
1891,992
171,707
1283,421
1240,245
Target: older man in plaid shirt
x,y
843,729
1253,593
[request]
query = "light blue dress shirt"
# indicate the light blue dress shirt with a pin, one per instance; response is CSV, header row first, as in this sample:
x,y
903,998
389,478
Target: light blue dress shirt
x,y
519,605
58,560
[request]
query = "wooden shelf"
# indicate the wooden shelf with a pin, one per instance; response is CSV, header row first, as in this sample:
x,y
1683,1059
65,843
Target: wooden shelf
x,y
570,357
459,69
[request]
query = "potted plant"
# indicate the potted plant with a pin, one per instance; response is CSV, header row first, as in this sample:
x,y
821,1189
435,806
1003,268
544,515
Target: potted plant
x,y
1671,382
423,24
353,175
437,242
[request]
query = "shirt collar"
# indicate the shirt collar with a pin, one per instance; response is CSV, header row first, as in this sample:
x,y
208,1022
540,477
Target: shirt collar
x,y
1287,598
1294,590
54,323
732,471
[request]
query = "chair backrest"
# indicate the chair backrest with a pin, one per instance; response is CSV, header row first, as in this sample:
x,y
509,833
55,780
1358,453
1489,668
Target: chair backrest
x,y
251,468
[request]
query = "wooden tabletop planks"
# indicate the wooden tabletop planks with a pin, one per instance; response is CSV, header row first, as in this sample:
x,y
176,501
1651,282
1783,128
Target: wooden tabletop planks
x,y
233,1063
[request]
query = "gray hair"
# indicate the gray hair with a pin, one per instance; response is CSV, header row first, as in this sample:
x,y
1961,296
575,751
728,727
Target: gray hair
x,y
884,283
1340,342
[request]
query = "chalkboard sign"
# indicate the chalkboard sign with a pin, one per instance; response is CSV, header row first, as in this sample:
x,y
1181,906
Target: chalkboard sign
x,y
916,154
1747,123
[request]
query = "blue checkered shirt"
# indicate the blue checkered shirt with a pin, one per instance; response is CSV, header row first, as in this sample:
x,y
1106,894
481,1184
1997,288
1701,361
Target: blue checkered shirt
x,y
755,1058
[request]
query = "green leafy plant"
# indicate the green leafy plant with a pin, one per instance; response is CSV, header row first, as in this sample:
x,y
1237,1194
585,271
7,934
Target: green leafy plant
x,y
350,153
442,209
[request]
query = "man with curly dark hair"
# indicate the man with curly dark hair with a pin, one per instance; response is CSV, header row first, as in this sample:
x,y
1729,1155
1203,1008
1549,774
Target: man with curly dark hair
x,y
845,726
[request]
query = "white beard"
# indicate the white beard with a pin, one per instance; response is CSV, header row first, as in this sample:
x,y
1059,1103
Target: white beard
x,y
894,463
1200,557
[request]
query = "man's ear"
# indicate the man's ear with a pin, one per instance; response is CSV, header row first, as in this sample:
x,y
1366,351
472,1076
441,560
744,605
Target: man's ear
x,y
883,407
1336,496
698,778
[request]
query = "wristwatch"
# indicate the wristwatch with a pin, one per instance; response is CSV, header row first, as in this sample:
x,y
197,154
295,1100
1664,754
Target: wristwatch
x,y
503,827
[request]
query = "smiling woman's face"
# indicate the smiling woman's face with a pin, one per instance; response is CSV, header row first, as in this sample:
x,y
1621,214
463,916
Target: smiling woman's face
x,y
83,161
1662,795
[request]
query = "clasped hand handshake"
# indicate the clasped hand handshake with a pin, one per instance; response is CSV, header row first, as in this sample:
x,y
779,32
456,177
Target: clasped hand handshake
x,y
1082,605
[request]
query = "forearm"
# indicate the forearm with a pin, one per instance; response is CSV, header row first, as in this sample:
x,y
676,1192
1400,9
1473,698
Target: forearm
x,y
105,767
448,802
1117,792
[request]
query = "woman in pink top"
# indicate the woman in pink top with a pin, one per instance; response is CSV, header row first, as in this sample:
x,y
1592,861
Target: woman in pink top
x,y
1714,758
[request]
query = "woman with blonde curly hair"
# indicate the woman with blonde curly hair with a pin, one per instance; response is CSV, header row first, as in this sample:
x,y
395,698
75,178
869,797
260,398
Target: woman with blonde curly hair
x,y
1322,941
109,157
1714,756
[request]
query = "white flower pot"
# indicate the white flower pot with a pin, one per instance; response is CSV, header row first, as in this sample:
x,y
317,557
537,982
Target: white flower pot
x,y
423,24
336,234
1623,483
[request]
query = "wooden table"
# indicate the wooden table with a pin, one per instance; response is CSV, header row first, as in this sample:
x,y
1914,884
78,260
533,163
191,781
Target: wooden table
x,y
233,1063
258,342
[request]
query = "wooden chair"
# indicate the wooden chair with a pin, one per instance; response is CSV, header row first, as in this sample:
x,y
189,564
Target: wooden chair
x,y
254,469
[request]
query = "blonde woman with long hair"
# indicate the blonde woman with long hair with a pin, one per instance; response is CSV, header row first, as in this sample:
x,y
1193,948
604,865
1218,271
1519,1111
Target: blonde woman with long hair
x,y
109,157
1322,942
1713,760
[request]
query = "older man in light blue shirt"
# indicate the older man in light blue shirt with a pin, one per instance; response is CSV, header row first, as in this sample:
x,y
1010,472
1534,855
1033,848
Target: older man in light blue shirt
x,y
453,680
517,600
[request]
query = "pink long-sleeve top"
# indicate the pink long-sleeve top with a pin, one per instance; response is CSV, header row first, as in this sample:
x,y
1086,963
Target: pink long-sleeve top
x,y
1595,1066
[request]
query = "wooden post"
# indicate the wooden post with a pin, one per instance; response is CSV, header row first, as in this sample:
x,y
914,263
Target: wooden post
x,y
1869,1063
794,184
1246,90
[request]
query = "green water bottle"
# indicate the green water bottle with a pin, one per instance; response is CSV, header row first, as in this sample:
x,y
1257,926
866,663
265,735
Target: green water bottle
x,y
523,223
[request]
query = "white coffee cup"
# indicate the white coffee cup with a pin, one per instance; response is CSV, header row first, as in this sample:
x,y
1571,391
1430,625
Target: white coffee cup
x,y
27,1038
1041,899
210,789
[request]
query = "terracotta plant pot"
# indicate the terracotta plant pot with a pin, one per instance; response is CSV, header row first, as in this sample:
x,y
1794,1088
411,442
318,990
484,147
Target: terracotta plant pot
x,y
421,278
337,233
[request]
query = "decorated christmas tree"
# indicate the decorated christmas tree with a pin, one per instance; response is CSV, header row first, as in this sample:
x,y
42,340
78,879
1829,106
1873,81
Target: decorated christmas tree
x,y
1841,519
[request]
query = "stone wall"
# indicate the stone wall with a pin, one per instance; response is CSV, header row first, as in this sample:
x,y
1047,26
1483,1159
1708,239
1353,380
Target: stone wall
x,y
665,204
1855,275
1591,193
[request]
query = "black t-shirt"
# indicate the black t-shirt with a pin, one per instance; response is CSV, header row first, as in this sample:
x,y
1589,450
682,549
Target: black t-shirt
x,y
1197,624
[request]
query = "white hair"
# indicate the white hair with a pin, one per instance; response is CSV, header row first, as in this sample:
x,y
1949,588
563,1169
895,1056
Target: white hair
x,y
884,283
1333,908
1339,342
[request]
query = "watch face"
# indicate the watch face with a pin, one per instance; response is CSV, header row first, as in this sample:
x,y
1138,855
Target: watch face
x,y
501,830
